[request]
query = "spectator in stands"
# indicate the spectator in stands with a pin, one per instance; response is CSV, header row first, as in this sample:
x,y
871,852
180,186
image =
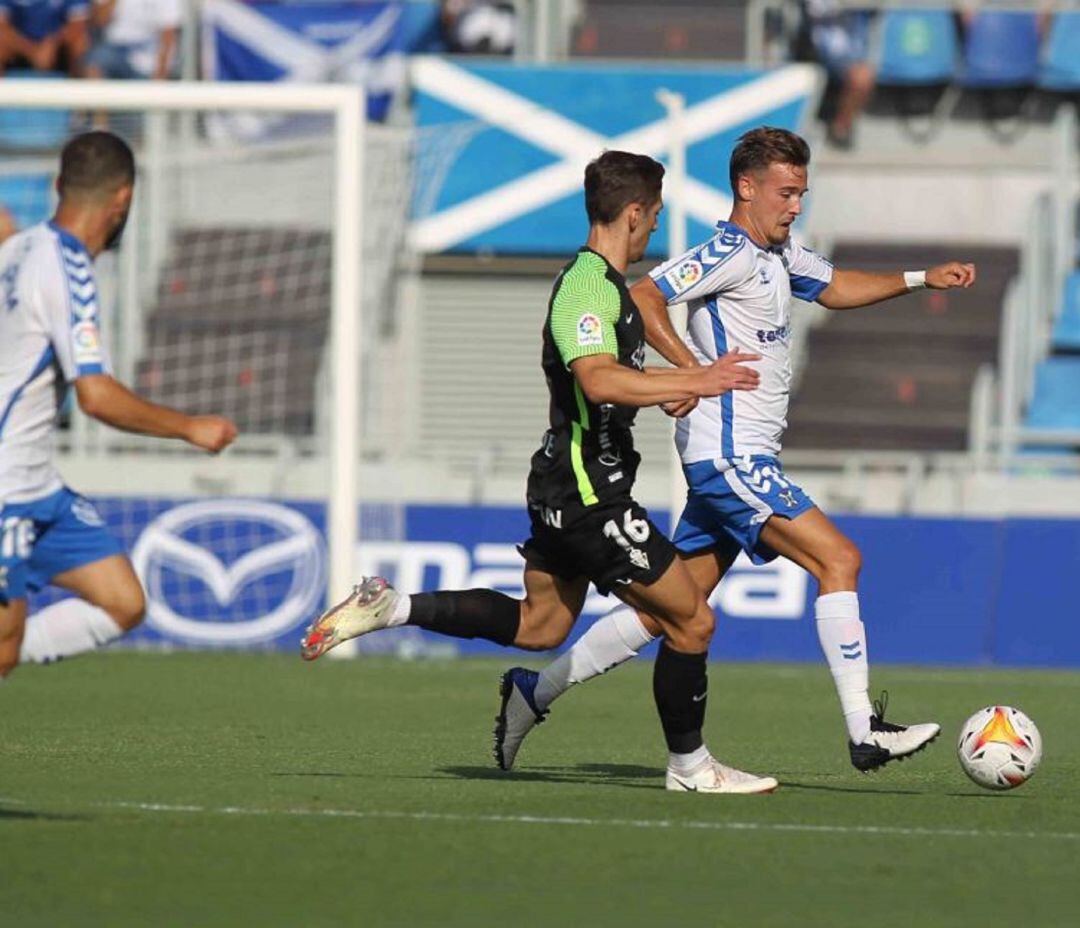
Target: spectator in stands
x,y
478,27
45,35
839,39
136,39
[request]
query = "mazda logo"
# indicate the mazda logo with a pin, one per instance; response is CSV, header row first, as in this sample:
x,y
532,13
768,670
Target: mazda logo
x,y
230,571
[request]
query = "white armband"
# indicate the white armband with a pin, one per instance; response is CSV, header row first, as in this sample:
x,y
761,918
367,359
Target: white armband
x,y
915,280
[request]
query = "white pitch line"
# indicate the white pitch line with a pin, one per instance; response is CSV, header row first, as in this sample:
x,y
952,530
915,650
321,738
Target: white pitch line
x,y
646,823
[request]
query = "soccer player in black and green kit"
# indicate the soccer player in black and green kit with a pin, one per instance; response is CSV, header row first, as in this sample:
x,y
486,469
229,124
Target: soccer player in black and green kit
x,y
585,524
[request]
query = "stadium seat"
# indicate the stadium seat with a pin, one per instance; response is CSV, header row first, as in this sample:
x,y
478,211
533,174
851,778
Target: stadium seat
x,y
24,129
918,47
1061,59
1057,385
27,197
1067,327
1001,50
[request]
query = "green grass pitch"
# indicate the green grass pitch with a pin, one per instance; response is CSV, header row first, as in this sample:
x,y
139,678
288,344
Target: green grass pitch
x,y
236,790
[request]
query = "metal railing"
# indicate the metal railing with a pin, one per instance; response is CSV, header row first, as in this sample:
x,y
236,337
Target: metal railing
x,y
1033,302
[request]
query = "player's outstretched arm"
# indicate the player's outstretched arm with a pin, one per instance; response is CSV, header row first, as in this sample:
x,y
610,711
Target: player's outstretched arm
x,y
107,400
852,289
604,380
659,332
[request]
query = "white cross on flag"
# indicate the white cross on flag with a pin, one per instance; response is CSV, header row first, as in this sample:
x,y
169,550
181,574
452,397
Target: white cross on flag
x,y
514,185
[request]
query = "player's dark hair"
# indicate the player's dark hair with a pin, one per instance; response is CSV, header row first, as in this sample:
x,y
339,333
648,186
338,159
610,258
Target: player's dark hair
x,y
618,178
95,162
766,145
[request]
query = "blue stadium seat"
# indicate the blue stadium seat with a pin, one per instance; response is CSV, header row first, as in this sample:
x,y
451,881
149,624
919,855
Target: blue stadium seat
x,y
918,47
28,197
33,129
1067,327
1001,50
1061,58
1057,385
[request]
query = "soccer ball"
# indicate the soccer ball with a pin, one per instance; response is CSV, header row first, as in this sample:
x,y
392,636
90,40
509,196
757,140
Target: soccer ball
x,y
999,747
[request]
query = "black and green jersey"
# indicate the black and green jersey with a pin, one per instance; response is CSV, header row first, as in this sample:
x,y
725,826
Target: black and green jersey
x,y
588,453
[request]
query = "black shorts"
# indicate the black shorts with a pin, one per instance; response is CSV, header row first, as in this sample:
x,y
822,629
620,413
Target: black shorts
x,y
611,544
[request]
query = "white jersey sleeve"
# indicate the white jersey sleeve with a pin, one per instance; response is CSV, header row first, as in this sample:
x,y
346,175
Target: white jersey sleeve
x,y
69,307
703,270
808,271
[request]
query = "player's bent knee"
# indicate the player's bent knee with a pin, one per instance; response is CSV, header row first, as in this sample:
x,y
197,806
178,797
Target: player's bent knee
x,y
540,639
851,559
702,627
844,562
541,630
693,636
129,613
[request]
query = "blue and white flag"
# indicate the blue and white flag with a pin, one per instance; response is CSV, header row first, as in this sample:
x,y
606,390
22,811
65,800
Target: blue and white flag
x,y
363,43
515,186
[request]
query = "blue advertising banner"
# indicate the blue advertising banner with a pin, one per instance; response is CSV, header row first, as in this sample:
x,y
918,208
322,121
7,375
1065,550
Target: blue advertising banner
x,y
514,183
251,573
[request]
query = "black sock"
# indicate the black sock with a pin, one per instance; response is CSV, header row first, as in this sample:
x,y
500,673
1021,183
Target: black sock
x,y
468,614
680,685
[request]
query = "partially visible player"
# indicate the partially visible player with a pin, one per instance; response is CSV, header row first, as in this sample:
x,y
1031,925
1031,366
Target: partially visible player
x,y
739,286
50,338
586,526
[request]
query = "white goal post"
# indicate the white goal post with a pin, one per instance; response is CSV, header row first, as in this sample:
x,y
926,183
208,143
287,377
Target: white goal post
x,y
345,105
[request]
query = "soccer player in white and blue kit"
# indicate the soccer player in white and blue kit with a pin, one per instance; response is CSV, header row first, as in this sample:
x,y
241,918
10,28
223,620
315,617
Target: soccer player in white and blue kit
x,y
738,286
50,340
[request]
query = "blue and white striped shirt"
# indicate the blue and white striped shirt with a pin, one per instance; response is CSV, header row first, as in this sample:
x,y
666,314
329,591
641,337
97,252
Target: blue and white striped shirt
x,y
739,296
49,337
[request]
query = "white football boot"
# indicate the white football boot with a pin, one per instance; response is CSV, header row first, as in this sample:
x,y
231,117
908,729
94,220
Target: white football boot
x,y
518,714
366,609
887,742
715,777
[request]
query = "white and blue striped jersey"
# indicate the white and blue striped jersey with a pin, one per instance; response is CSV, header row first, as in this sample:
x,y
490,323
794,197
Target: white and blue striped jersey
x,y
739,296
49,337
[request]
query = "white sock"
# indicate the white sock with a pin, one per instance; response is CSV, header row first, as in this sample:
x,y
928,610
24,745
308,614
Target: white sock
x,y
843,639
611,640
64,629
687,763
402,610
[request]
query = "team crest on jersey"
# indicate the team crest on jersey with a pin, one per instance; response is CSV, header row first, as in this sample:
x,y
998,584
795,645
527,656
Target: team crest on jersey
x,y
685,275
589,331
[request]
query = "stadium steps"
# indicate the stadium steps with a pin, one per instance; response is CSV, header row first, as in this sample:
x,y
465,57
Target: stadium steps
x,y
239,325
898,377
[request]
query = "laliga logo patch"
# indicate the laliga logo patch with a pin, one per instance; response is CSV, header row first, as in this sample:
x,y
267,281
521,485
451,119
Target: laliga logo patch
x,y
588,330
230,571
87,342
685,275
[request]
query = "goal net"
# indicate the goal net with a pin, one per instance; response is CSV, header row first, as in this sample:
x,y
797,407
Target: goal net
x,y
251,281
